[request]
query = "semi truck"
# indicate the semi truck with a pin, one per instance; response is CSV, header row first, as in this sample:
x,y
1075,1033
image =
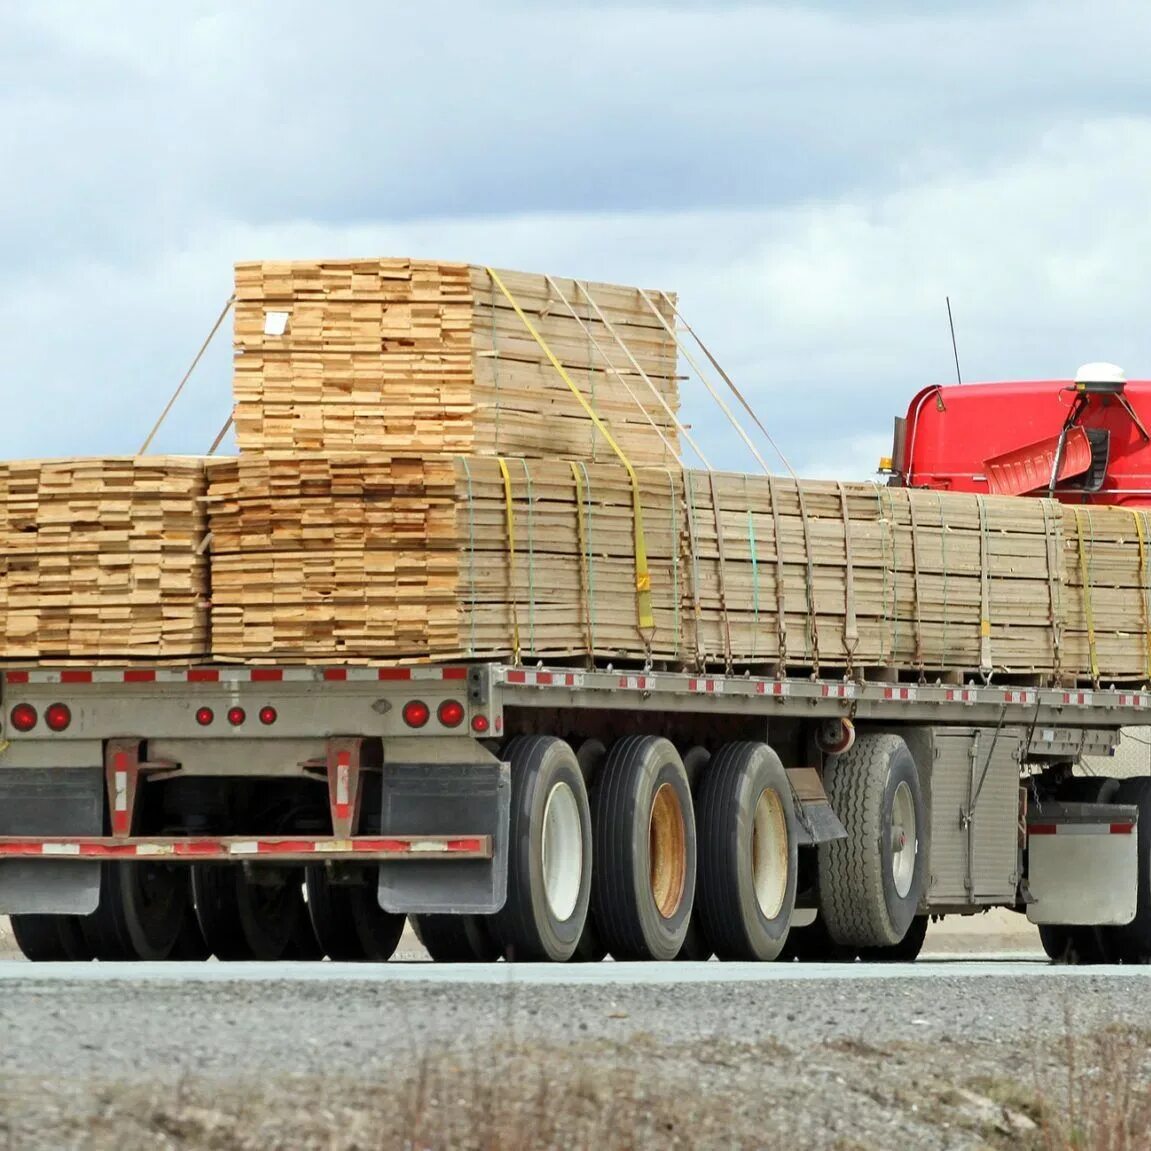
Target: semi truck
x,y
562,813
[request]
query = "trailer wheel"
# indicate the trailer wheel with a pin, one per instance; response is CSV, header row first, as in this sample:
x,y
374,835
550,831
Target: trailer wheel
x,y
591,948
550,858
1131,942
50,938
244,920
870,883
349,923
696,948
748,854
644,878
156,898
105,931
905,951
456,938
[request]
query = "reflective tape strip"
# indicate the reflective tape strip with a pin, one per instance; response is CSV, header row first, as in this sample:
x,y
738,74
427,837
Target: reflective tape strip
x,y
776,687
136,675
1078,698
966,695
902,694
706,686
477,847
637,682
837,690
1022,696
1081,828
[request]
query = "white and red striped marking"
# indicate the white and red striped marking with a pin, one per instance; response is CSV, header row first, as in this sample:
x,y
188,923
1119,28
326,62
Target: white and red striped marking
x,y
343,804
967,695
776,687
460,847
1078,698
520,676
1136,699
706,686
1080,828
902,693
637,682
837,690
120,813
137,675
1023,696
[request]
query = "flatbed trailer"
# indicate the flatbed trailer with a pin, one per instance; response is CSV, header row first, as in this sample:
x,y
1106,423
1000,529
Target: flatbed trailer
x,y
557,813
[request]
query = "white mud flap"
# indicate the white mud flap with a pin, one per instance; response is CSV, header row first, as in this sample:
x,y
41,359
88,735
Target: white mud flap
x,y
1082,864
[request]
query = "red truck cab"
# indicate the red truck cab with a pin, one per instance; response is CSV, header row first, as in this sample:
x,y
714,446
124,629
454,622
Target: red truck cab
x,y
1083,440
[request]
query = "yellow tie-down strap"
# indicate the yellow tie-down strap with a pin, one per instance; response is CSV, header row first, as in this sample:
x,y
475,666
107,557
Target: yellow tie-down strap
x,y
510,514
642,573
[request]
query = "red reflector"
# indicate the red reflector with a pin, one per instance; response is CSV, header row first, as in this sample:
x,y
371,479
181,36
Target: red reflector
x,y
416,713
451,713
75,677
58,717
394,673
267,674
267,715
480,724
205,716
16,677
335,674
455,673
1122,828
203,675
24,717
1041,829
236,716
143,675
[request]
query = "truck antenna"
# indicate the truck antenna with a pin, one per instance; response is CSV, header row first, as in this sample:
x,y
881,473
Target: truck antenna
x,y
954,345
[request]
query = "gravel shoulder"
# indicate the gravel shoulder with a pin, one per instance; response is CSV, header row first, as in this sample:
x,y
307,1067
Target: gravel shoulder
x,y
946,1062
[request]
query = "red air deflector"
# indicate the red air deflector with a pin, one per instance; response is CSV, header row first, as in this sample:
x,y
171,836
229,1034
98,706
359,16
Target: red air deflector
x,y
1028,469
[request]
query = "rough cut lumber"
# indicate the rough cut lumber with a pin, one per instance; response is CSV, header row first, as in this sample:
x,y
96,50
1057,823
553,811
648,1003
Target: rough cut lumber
x,y
411,558
100,560
411,356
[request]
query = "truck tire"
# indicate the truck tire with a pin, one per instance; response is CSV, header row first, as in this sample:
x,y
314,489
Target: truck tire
x,y
105,931
242,920
156,898
550,855
349,923
50,938
905,951
1131,943
644,880
748,856
870,883
456,938
696,948
591,948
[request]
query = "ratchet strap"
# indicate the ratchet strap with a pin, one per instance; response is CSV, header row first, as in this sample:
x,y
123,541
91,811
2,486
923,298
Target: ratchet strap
x,y
915,583
850,623
715,507
780,599
1054,590
511,525
812,616
585,568
985,665
644,617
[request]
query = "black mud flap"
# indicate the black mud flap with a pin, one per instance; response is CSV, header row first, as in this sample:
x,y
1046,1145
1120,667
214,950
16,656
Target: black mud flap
x,y
50,801
446,799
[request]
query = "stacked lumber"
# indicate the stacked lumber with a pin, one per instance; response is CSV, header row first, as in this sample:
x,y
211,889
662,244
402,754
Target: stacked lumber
x,y
411,356
100,559
429,558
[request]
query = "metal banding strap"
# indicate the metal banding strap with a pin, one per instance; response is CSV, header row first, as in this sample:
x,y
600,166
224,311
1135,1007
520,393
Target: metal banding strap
x,y
509,509
915,588
850,623
673,491
754,572
719,543
780,587
1144,587
697,610
472,597
585,559
531,503
645,620
1088,609
1051,531
812,616
985,665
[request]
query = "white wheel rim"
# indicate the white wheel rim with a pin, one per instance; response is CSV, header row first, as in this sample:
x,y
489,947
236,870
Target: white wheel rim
x,y
903,839
769,853
561,851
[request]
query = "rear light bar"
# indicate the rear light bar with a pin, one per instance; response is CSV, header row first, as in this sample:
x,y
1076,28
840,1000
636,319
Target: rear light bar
x,y
24,717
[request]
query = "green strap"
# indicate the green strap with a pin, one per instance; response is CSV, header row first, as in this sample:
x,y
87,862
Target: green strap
x,y
689,503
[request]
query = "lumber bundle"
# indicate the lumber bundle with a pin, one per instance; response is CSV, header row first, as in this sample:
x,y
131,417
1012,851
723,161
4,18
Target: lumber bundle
x,y
410,356
425,558
100,559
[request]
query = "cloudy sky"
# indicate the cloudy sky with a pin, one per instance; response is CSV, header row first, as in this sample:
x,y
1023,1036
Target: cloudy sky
x,y
812,178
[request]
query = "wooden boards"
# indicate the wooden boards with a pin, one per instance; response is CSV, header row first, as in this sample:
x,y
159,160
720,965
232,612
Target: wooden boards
x,y
99,560
423,558
411,356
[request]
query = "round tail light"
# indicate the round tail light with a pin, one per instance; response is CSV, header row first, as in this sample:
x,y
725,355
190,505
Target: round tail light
x,y
480,724
236,716
58,716
416,713
450,713
24,717
204,716
268,715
